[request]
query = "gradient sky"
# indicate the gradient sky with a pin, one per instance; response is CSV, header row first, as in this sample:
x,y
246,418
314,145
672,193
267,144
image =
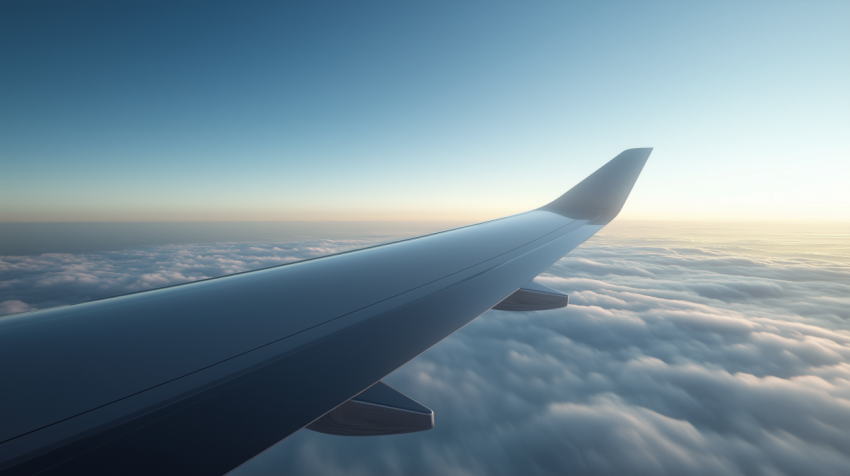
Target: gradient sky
x,y
125,111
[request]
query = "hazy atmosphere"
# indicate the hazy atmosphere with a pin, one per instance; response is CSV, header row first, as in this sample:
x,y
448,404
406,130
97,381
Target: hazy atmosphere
x,y
145,144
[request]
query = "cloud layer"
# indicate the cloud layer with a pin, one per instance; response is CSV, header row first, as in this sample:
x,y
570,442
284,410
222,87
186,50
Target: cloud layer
x,y
56,279
671,359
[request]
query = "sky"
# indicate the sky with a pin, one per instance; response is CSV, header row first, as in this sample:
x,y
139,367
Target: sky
x,y
209,111
687,349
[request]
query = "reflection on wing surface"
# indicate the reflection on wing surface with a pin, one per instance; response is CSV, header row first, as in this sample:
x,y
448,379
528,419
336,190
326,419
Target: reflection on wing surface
x,y
200,377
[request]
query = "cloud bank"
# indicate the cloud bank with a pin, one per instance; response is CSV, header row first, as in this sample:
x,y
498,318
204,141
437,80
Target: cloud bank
x,y
56,279
669,360
678,359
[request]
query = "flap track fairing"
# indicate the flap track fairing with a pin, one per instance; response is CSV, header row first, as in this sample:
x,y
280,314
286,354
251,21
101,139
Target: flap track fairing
x,y
379,410
533,297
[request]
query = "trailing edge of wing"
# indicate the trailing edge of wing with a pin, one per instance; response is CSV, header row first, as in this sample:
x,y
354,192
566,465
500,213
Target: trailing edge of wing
x,y
601,196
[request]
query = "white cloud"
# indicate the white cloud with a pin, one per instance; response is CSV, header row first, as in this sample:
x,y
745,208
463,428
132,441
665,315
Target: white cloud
x,y
13,306
669,360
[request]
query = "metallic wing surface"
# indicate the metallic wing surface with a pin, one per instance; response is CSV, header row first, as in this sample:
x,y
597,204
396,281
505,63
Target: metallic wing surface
x,y
200,377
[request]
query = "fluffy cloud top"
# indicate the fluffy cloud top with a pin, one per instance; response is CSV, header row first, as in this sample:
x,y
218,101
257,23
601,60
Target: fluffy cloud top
x,y
687,359
53,279
669,360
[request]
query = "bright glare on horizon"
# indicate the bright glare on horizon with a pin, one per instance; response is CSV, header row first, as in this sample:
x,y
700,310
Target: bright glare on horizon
x,y
176,111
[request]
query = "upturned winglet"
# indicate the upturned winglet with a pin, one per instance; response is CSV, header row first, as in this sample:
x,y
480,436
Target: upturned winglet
x,y
601,196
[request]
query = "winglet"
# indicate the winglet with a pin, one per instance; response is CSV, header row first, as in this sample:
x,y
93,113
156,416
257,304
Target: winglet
x,y
601,196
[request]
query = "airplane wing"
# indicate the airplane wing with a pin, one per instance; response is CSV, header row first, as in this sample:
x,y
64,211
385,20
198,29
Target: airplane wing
x,y
201,377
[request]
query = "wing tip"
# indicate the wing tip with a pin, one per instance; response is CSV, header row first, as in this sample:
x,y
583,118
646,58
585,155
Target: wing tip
x,y
601,195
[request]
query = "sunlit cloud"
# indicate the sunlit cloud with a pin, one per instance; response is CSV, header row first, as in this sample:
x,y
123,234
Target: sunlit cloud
x,y
672,358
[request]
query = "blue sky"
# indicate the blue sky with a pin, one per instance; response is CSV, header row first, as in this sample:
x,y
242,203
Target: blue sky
x,y
140,111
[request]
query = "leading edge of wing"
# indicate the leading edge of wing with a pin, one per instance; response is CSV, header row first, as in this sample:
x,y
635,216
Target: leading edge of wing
x,y
601,196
